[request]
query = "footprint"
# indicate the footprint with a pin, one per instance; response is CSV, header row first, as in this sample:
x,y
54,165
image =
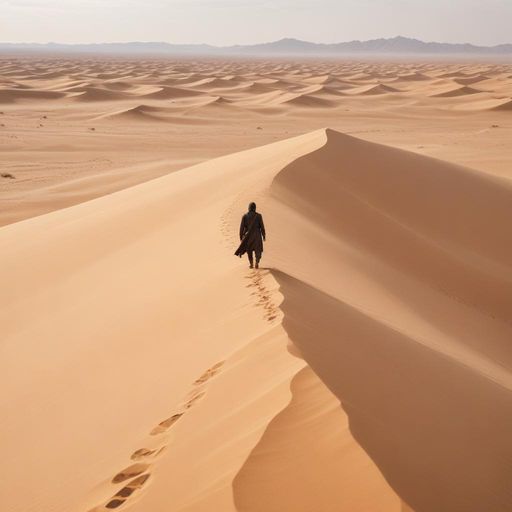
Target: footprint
x,y
127,491
166,425
147,453
143,453
194,399
130,472
114,503
208,374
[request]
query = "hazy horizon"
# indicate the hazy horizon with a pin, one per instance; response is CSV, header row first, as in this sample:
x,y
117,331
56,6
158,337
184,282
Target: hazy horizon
x,y
222,46
245,22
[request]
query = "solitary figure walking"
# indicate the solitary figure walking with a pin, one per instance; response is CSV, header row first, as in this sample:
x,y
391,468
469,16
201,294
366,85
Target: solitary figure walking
x,y
252,235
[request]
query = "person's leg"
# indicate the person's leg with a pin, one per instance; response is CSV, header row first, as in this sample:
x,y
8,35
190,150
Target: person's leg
x,y
249,255
258,258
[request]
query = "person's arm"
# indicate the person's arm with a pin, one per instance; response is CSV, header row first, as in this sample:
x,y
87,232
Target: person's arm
x,y
242,227
262,227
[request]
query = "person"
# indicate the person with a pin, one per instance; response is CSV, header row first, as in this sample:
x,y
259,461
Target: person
x,y
252,235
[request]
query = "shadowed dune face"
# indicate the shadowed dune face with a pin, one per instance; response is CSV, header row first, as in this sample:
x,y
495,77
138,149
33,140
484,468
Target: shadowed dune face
x,y
419,209
395,274
397,294
306,460
437,430
21,94
505,105
459,91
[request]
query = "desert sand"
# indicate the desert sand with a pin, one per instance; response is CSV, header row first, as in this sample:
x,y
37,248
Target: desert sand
x,y
365,367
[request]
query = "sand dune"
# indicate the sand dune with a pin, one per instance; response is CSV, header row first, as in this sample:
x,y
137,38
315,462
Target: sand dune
x,y
285,472
477,193
471,80
365,367
369,90
214,102
21,94
16,85
169,92
399,293
118,85
481,103
138,113
364,76
209,83
255,88
320,89
456,74
413,77
327,79
106,76
86,94
275,83
308,101
268,98
459,91
504,105
149,82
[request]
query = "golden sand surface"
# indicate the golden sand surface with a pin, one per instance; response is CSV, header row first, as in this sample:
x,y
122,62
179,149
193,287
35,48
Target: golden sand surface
x,y
366,366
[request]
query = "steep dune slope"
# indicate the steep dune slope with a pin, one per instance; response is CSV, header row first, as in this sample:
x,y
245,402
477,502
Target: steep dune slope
x,y
437,428
397,293
307,460
407,210
164,375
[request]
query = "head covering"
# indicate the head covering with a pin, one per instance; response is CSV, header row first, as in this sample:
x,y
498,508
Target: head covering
x,y
252,207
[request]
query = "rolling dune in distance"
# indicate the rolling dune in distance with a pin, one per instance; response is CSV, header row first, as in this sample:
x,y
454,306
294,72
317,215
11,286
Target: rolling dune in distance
x,y
365,367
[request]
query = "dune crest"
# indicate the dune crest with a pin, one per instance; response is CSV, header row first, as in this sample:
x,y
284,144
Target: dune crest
x,y
373,89
19,94
92,94
138,113
505,105
459,91
170,92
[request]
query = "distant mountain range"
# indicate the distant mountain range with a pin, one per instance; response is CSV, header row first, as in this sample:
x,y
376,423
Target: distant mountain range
x,y
395,45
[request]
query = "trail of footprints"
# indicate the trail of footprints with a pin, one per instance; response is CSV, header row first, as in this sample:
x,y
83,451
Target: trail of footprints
x,y
254,191
138,473
144,458
263,293
255,276
227,215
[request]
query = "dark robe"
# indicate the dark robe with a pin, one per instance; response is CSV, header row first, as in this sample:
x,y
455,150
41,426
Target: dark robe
x,y
252,232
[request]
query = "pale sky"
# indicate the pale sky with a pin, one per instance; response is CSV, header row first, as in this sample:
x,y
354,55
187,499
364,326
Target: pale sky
x,y
227,22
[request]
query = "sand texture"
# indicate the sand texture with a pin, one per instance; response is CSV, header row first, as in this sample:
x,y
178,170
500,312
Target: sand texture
x,y
366,367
